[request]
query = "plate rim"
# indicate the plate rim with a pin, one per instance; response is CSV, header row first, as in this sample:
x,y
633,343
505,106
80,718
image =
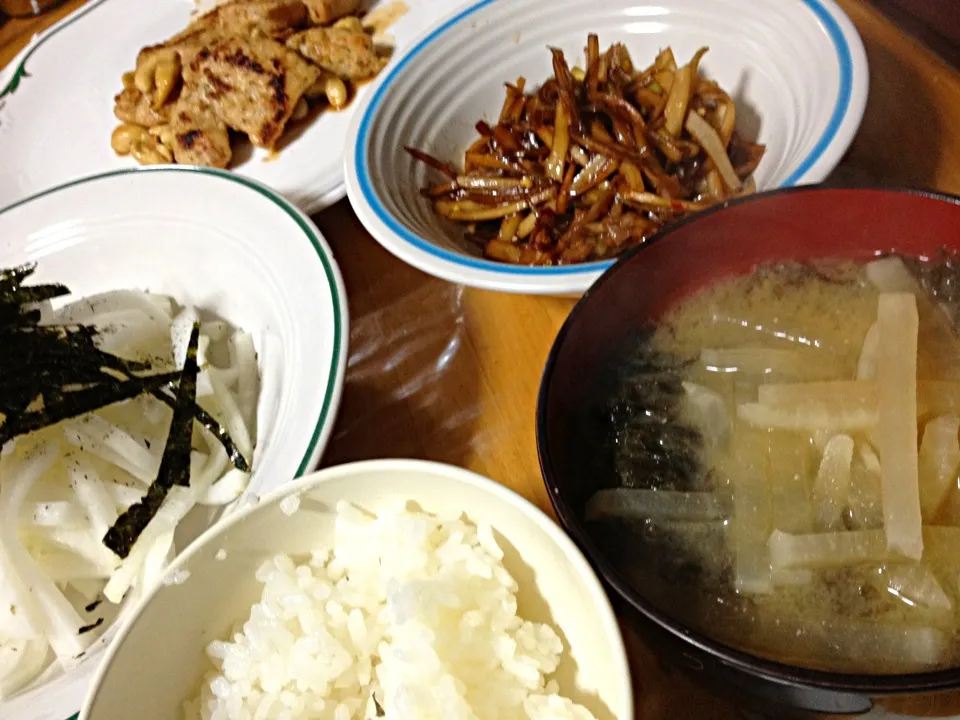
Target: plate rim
x,y
843,122
326,420
19,62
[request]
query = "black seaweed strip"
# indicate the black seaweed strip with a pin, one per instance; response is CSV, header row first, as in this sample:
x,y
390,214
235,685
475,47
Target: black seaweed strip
x,y
99,359
92,626
16,275
71,350
58,344
181,428
207,420
81,402
174,465
38,293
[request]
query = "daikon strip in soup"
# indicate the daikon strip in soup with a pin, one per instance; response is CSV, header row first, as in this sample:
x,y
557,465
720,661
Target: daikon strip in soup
x,y
784,464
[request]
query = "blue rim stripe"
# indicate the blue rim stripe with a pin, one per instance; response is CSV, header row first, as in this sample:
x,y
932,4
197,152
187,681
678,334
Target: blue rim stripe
x,y
844,92
840,110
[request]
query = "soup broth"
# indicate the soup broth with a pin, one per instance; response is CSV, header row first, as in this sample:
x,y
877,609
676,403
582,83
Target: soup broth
x,y
785,456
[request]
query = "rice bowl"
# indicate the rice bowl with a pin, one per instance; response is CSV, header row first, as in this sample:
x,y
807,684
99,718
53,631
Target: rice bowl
x,y
408,615
553,585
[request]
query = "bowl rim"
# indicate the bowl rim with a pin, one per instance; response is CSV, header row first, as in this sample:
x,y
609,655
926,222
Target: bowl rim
x,y
305,484
842,125
781,673
335,377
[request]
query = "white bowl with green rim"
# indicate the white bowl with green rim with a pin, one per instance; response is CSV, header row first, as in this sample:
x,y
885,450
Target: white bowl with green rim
x,y
226,245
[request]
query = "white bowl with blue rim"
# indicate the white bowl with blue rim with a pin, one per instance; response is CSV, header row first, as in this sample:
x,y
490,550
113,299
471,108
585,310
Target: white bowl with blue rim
x,y
225,245
796,69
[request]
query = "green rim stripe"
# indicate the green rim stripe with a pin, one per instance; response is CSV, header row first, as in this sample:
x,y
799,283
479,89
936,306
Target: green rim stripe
x,y
21,70
302,222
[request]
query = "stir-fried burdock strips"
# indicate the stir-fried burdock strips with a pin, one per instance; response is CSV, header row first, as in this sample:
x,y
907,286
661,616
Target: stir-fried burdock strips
x,y
595,161
50,373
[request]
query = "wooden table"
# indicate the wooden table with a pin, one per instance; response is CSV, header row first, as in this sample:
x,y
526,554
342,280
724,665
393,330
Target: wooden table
x,y
442,372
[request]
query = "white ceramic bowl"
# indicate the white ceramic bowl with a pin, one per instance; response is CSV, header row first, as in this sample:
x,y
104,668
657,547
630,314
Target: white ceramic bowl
x,y
223,244
175,623
796,68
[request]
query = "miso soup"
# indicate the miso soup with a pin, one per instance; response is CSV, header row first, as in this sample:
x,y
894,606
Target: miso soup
x,y
784,464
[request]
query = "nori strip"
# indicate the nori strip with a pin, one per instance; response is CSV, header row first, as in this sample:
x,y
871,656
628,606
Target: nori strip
x,y
13,296
80,402
93,606
91,626
11,278
39,293
174,465
215,429
61,356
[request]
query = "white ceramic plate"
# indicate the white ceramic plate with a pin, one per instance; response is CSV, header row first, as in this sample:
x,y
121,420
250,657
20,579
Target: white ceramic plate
x,y
225,245
796,69
556,585
56,103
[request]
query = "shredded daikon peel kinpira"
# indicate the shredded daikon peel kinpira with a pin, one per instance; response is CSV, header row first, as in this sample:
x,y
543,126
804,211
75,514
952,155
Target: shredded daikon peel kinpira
x,y
659,143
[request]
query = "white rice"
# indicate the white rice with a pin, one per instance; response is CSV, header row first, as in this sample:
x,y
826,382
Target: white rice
x,y
179,577
290,504
409,616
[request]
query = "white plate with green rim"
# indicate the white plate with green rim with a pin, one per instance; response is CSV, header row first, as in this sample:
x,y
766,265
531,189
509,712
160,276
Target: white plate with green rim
x,y
223,244
56,103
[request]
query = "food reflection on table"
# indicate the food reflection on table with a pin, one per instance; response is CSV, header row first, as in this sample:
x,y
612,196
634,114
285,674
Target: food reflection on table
x,y
595,161
769,482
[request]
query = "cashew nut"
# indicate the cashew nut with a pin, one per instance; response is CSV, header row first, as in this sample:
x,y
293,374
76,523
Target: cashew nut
x,y
165,134
165,78
350,22
300,110
318,89
143,77
124,136
336,91
148,150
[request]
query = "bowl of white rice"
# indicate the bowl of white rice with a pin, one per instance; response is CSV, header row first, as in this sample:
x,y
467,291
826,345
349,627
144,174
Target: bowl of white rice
x,y
388,588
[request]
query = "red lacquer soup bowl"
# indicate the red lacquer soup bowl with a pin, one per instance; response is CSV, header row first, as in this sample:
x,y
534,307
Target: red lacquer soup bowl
x,y
794,224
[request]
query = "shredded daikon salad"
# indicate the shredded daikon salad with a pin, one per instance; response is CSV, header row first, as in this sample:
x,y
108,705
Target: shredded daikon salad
x,y
64,486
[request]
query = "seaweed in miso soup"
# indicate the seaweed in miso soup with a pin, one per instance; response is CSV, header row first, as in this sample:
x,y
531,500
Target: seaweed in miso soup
x,y
784,462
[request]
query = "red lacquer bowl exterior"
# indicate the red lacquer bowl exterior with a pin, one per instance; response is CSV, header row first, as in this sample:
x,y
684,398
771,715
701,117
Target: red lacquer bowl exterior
x,y
794,224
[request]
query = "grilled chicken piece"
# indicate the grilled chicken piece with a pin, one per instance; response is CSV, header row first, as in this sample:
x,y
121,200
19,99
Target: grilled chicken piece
x,y
187,44
276,18
199,136
253,84
346,53
324,12
132,106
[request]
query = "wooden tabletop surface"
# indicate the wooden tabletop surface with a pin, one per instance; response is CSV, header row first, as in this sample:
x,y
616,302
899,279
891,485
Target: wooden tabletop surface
x,y
446,373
